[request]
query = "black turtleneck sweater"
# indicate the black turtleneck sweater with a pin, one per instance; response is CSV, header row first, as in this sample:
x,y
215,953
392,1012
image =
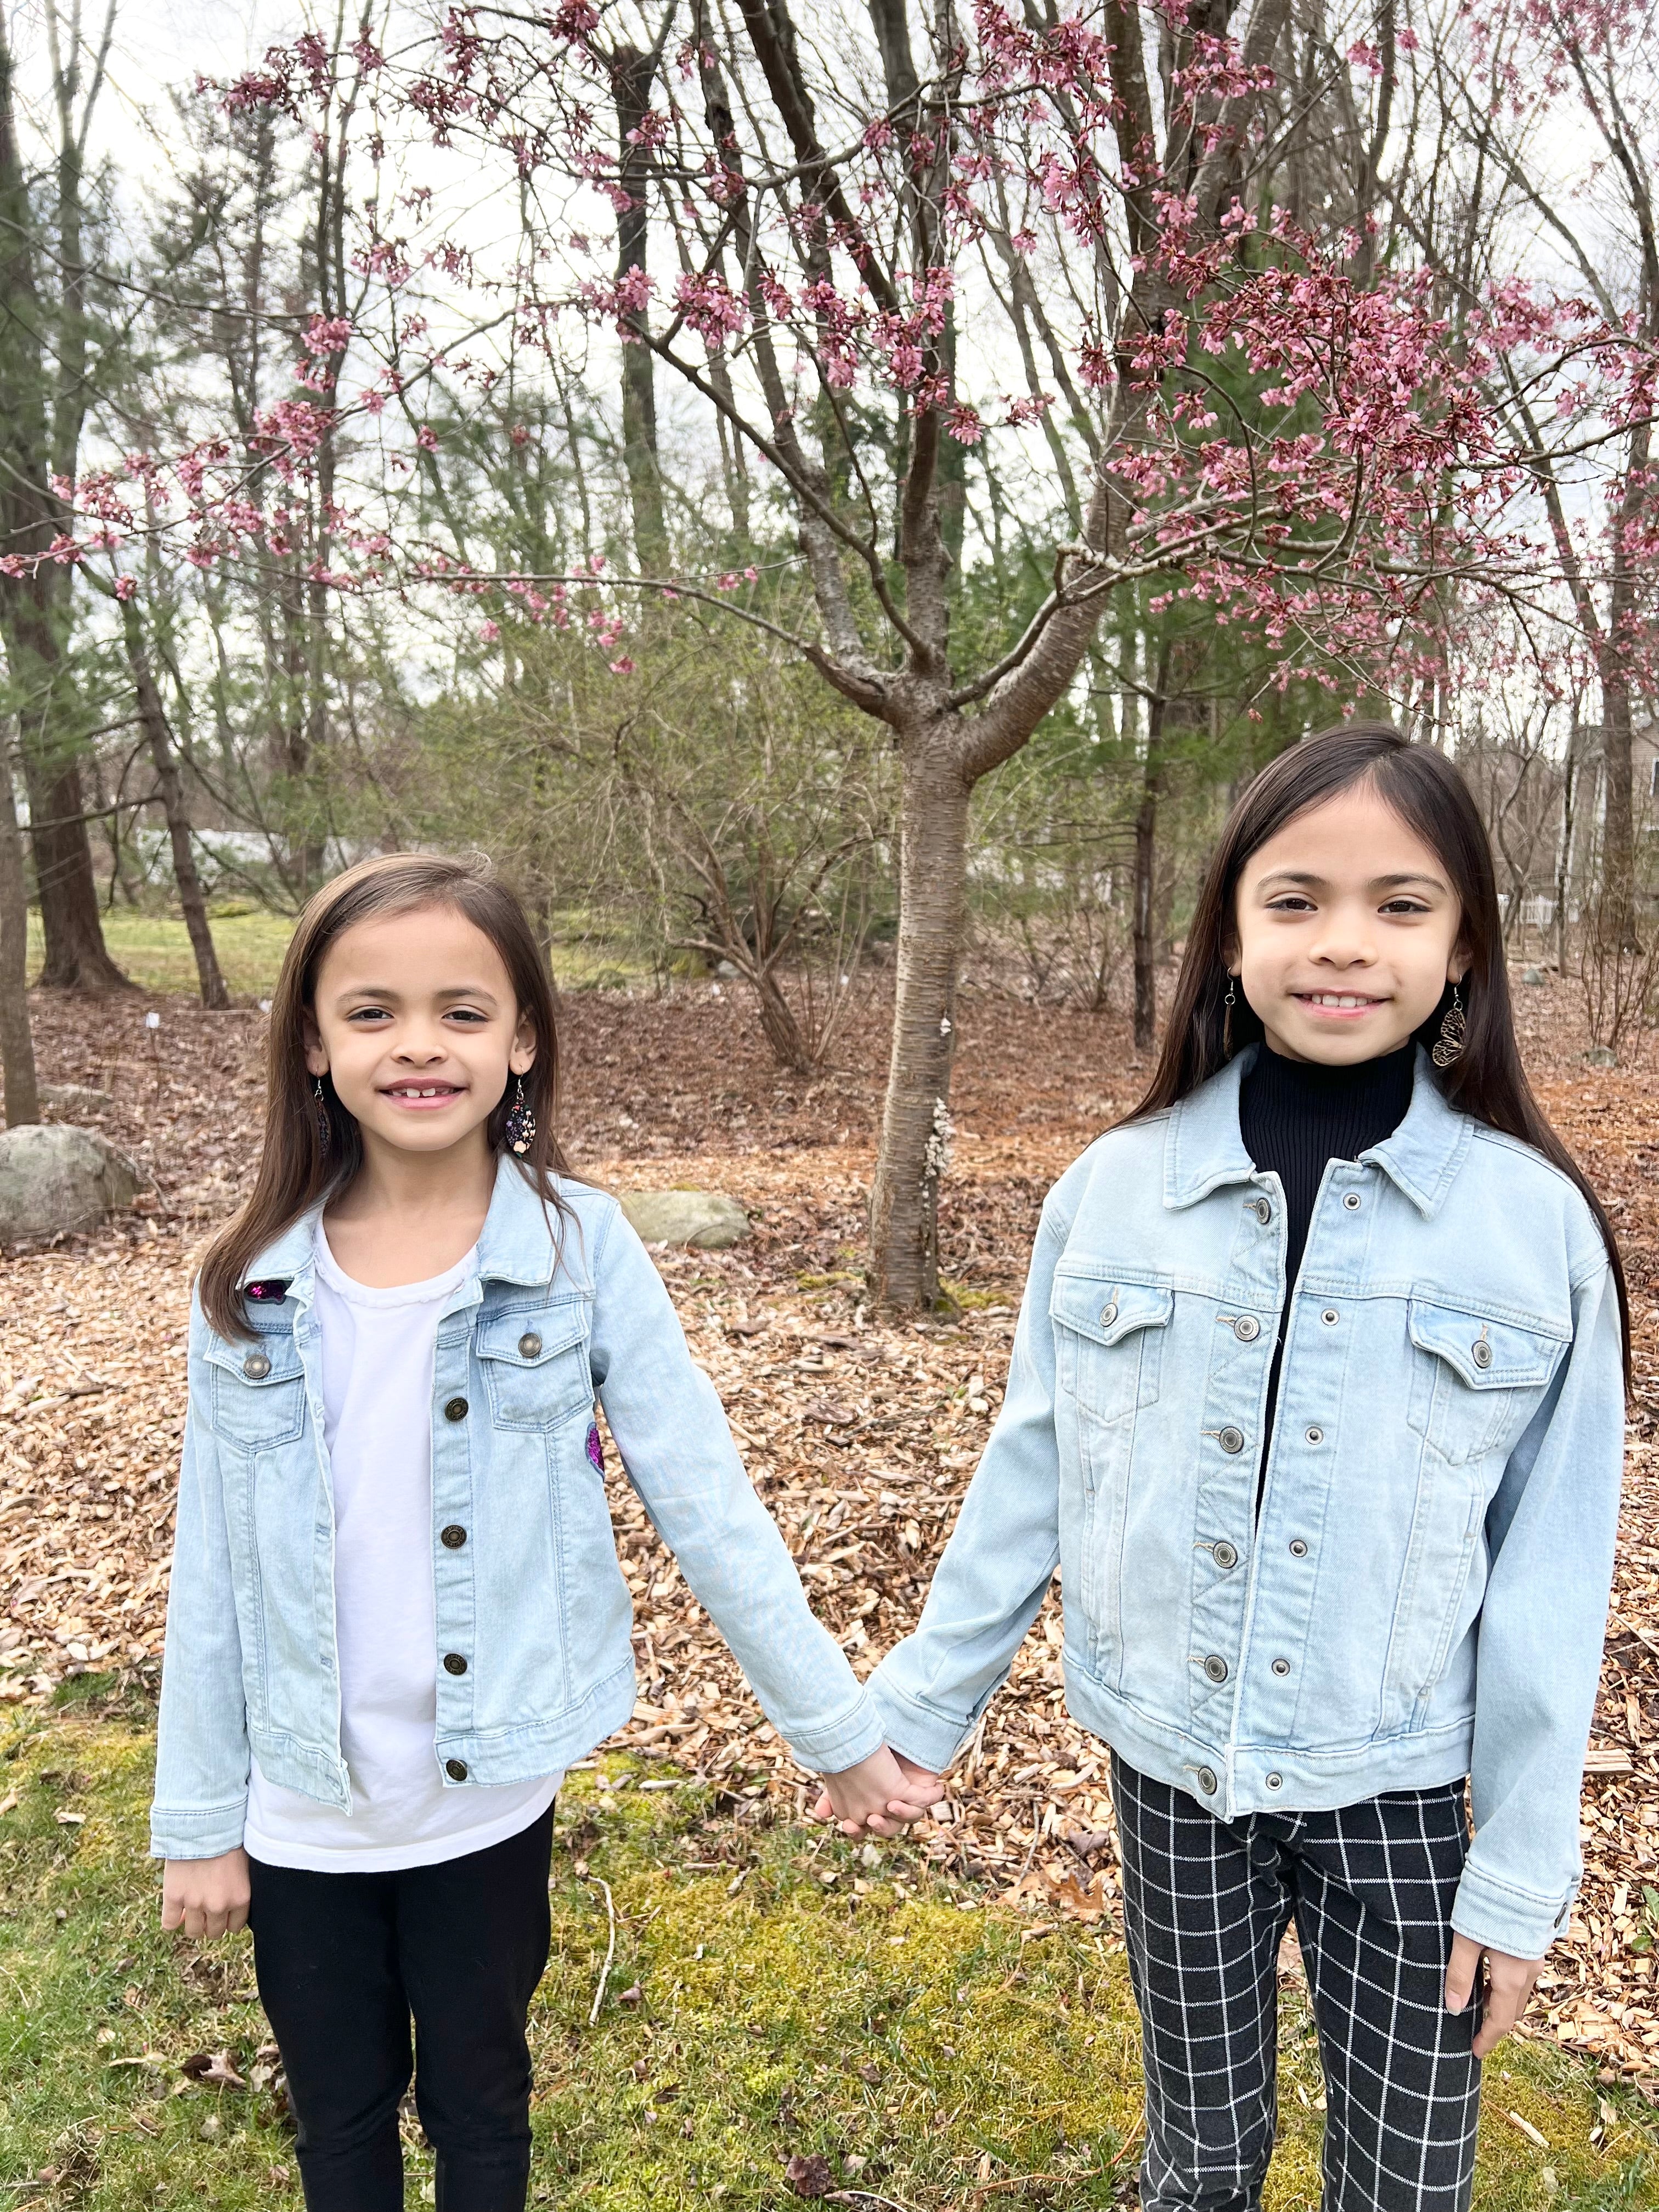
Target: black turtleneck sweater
x,y
1295,1116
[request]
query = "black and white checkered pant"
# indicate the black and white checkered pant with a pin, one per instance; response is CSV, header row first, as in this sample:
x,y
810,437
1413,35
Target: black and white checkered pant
x,y
1370,1889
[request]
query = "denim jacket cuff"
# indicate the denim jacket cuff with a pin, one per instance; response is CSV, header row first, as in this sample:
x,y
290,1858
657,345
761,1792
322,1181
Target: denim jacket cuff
x,y
197,1831
1504,1918
852,1736
929,1738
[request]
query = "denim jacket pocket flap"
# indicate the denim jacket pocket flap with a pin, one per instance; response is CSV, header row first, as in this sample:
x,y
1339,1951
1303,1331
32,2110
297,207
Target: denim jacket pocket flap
x,y
266,1363
1485,1354
535,1364
532,1335
1106,1312
258,1395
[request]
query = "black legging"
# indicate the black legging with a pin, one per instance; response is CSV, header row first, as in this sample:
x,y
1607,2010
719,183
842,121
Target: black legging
x,y
342,1960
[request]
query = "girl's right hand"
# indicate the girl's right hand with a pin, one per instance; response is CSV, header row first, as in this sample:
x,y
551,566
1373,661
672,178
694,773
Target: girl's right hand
x,y
206,1897
922,1790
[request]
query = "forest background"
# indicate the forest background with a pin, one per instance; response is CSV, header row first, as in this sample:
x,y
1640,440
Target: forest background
x,y
835,501
818,496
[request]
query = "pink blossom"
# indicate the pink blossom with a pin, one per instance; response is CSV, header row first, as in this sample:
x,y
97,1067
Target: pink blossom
x,y
712,308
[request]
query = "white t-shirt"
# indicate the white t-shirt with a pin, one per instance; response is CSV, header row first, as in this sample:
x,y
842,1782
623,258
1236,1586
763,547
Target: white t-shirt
x,y
377,1351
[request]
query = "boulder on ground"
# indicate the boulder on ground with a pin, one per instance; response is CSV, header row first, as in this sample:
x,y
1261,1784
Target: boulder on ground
x,y
55,1178
705,1218
1534,975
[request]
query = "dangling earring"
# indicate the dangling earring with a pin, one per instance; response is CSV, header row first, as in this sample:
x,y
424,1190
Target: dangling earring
x,y
1227,1005
324,1126
520,1130
1450,1041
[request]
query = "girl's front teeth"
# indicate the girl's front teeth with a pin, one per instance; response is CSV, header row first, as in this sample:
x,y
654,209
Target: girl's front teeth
x,y
1331,999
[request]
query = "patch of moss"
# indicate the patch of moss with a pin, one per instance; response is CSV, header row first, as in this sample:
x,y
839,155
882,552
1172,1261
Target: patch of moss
x,y
967,1298
773,1992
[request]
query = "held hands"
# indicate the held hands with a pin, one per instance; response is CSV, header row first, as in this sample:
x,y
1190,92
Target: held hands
x,y
880,1796
206,1897
1509,1985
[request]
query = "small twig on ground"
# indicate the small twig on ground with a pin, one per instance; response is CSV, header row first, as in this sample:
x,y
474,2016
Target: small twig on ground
x,y
868,2196
610,1951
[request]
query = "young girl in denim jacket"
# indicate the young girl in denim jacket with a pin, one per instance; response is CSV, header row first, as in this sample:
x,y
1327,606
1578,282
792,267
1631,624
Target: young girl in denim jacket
x,y
397,1613
1316,1402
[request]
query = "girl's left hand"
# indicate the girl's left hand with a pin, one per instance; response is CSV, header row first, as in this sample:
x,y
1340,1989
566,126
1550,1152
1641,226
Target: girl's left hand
x,y
1509,1985
858,1799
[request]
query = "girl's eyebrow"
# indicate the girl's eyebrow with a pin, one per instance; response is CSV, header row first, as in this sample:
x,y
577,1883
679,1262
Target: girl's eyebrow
x,y
1311,882
385,992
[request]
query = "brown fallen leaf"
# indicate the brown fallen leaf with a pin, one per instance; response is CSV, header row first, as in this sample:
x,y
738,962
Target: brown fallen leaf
x,y
831,1416
810,2175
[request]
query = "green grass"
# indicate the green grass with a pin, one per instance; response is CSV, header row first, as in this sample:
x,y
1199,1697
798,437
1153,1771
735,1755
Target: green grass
x,y
154,950
920,2042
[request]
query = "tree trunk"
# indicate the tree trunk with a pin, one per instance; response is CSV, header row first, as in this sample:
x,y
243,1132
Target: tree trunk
x,y
1564,861
631,74
153,715
76,956
34,610
16,1044
1618,930
915,1125
1145,918
781,1029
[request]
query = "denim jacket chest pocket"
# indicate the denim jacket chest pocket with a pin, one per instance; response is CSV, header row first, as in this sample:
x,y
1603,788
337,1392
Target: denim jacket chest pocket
x,y
257,1390
1108,1341
1476,1380
534,1361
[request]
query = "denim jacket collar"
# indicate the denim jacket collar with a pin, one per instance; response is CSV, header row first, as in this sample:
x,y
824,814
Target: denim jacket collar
x,y
515,1245
1203,1148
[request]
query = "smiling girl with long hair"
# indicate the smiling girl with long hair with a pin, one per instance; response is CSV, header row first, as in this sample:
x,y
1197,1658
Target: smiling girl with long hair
x,y
1317,1403
397,1614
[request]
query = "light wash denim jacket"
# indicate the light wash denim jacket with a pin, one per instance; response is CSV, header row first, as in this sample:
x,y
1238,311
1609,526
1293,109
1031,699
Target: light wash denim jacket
x,y
1423,1592
524,1558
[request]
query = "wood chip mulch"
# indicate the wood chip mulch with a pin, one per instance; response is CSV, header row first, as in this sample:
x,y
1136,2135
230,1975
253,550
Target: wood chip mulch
x,y
859,1432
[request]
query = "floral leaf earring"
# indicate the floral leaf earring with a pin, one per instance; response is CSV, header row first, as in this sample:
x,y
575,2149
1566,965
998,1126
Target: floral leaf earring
x,y
520,1130
1227,1005
1450,1043
324,1126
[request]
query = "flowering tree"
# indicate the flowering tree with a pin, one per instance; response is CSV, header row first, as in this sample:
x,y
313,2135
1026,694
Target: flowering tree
x,y
859,257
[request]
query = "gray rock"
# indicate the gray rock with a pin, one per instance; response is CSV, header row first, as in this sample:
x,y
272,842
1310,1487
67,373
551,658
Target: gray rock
x,y
72,1098
1602,1055
1534,975
55,1178
705,1218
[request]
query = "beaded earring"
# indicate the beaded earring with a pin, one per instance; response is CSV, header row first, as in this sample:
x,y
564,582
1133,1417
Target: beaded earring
x,y
520,1130
1227,1005
324,1126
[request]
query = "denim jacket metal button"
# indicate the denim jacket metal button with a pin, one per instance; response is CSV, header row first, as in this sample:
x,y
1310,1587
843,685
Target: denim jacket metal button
x,y
1422,1591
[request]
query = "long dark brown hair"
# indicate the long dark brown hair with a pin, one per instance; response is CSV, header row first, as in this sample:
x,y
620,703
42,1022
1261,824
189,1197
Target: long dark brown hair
x,y
1485,1080
298,1169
